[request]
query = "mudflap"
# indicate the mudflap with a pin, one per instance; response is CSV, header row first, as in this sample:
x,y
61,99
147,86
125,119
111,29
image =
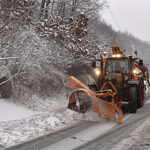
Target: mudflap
x,y
83,99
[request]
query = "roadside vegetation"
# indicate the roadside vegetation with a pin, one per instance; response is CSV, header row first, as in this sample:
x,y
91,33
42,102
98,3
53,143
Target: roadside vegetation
x,y
50,40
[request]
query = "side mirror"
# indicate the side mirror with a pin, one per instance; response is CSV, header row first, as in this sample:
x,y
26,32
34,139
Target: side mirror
x,y
94,64
140,62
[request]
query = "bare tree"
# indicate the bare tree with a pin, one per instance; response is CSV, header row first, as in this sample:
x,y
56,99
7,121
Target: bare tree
x,y
74,6
67,8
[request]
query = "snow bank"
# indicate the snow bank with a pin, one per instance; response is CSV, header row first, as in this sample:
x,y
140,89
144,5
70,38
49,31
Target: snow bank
x,y
19,124
139,138
11,111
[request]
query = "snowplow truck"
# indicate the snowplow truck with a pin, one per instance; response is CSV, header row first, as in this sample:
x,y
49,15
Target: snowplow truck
x,y
119,78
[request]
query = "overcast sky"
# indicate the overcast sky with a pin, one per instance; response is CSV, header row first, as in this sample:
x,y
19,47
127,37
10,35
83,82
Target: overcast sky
x,y
131,15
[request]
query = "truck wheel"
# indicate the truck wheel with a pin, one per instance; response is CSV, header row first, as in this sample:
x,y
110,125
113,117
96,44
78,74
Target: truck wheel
x,y
140,97
6,90
133,99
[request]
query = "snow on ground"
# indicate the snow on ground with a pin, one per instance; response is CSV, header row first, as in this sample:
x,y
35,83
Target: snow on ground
x,y
19,123
139,139
10,111
42,116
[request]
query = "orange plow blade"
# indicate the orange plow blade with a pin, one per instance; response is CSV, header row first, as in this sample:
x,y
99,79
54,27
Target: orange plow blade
x,y
103,108
83,99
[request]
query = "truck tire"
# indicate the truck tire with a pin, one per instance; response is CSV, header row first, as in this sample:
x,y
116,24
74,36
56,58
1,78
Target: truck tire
x,y
133,99
140,96
6,90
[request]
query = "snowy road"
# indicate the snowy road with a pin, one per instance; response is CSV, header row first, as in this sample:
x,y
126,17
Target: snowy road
x,y
87,135
60,128
115,136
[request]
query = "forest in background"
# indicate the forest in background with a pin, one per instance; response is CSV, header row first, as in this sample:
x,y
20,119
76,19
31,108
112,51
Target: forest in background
x,y
49,40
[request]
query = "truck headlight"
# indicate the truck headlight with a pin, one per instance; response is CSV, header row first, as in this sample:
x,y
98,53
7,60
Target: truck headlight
x,y
134,72
97,72
105,53
118,55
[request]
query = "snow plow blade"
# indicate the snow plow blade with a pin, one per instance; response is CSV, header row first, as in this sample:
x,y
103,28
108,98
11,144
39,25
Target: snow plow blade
x,y
83,99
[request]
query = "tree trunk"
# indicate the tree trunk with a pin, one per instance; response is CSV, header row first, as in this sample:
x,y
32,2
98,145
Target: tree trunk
x,y
46,10
42,8
74,7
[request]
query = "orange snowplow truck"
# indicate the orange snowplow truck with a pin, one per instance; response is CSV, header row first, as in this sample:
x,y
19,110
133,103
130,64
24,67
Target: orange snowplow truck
x,y
120,78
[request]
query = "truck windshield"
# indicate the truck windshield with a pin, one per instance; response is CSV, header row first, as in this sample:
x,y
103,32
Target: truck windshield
x,y
117,66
